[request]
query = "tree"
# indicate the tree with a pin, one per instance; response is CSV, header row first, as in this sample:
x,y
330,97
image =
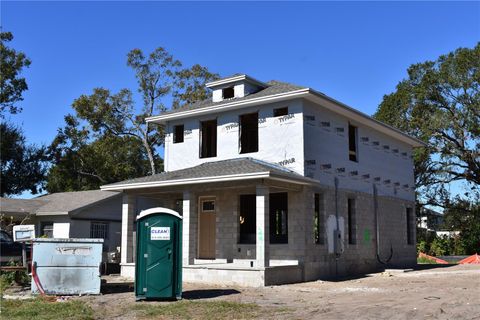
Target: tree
x,y
23,166
105,124
82,164
12,85
439,103
464,216
190,85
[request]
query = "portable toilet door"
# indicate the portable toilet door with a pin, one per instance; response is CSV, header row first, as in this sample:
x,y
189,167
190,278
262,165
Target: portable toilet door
x,y
158,271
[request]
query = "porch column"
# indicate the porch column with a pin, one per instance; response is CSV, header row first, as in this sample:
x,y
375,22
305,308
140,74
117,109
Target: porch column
x,y
128,212
263,229
189,223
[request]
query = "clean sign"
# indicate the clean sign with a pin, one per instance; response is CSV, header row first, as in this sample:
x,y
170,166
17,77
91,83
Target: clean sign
x,y
160,233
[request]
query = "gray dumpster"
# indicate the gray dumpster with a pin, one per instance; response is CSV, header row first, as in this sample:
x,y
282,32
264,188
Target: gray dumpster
x,y
66,266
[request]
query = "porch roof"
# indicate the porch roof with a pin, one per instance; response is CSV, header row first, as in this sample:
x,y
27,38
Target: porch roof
x,y
217,171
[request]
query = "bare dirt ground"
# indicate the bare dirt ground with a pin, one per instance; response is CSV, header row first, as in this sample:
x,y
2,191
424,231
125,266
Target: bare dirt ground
x,y
451,292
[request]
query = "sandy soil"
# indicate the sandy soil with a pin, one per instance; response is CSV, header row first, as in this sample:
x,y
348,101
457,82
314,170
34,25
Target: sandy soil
x,y
451,292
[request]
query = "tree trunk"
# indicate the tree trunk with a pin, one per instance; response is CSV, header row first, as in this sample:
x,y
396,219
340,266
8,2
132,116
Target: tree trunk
x,y
149,154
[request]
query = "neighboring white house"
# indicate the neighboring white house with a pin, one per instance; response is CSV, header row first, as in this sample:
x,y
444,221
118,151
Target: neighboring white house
x,y
279,183
91,214
433,221
430,220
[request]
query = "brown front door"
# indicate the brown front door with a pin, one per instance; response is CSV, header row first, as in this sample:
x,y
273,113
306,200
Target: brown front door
x,y
207,228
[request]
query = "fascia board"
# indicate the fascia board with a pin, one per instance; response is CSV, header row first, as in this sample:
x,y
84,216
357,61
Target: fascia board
x,y
235,79
227,106
301,181
360,117
150,184
226,178
47,213
224,81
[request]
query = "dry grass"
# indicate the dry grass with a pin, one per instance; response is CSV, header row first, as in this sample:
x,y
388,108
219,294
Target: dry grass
x,y
45,309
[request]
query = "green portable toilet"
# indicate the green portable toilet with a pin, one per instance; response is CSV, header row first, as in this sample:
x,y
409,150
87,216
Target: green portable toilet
x,y
158,269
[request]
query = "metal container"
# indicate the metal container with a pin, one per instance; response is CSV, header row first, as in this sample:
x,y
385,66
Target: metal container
x,y
66,266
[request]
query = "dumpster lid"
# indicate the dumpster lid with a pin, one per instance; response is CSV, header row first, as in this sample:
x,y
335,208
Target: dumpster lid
x,y
158,210
69,240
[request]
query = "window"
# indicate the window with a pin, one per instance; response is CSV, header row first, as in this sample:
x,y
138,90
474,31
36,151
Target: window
x,y
178,133
99,230
208,205
248,218
409,221
208,139
248,133
318,220
351,222
46,229
228,93
352,143
279,217
280,112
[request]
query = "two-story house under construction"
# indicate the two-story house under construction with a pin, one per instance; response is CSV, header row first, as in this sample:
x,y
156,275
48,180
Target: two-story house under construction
x,y
279,183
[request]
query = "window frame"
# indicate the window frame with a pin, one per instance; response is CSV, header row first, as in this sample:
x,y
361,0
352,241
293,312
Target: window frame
x,y
245,133
277,112
213,124
319,218
202,201
409,221
232,88
352,142
43,224
280,238
243,237
352,221
176,137
106,231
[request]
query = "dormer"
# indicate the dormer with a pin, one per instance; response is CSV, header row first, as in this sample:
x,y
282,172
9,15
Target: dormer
x,y
237,86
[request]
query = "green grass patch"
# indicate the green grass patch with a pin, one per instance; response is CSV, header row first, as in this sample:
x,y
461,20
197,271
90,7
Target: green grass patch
x,y
42,309
185,309
425,260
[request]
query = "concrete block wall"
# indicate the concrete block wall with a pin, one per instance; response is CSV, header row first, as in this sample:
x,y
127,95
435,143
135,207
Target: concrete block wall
x,y
378,155
360,257
295,248
357,258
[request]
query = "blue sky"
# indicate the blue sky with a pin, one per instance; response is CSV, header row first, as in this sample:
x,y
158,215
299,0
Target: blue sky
x,y
353,51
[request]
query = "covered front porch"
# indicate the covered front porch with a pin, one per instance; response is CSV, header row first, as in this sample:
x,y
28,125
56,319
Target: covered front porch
x,y
243,231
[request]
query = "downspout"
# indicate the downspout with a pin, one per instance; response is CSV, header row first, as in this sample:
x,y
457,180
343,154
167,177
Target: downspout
x,y
377,228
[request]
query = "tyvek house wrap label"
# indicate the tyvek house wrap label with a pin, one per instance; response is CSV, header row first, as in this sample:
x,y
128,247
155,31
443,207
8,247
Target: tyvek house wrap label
x,y
160,233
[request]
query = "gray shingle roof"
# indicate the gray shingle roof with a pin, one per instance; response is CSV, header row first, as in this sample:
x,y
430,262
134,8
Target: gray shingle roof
x,y
8,205
274,87
236,166
70,201
55,202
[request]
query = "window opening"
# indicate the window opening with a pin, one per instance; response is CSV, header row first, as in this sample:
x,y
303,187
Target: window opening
x,y
248,133
279,217
178,133
352,143
228,93
208,139
247,218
